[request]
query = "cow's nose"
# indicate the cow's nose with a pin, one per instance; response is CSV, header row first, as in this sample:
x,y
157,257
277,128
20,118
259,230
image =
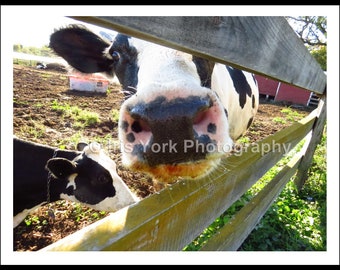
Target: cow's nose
x,y
171,131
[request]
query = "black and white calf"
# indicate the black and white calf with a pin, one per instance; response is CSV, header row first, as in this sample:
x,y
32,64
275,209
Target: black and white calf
x,y
181,113
87,176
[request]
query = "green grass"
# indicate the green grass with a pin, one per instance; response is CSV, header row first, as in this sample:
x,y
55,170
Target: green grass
x,y
23,62
82,118
115,115
35,129
77,213
291,115
296,221
279,120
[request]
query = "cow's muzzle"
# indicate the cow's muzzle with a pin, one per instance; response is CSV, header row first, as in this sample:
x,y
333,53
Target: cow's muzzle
x,y
180,130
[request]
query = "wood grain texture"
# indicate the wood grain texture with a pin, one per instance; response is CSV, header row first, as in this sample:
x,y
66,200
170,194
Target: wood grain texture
x,y
265,45
317,133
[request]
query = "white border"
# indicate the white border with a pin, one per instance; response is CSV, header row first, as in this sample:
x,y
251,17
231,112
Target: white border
x,y
19,14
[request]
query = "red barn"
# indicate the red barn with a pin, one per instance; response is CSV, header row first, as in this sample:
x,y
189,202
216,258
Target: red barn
x,y
280,91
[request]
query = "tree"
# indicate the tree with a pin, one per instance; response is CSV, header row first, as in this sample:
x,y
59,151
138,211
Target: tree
x,y
320,55
312,30
17,47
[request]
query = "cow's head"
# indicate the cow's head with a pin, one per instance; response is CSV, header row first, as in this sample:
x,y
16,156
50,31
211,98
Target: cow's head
x,y
171,124
91,179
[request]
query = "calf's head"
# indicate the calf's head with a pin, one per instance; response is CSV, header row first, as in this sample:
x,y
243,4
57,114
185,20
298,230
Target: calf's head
x,y
171,123
87,176
91,178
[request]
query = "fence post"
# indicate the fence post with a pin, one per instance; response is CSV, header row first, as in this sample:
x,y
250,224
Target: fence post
x,y
317,131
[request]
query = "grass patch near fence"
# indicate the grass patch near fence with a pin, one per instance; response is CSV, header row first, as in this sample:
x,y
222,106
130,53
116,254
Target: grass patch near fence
x,y
23,62
296,221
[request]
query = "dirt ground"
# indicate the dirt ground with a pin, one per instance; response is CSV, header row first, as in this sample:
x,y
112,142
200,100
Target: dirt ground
x,y
34,91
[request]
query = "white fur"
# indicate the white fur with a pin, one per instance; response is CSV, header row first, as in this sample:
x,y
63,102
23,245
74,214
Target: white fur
x,y
238,117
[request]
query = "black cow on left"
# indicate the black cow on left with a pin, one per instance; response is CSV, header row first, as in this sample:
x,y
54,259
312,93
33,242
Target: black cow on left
x,y
45,174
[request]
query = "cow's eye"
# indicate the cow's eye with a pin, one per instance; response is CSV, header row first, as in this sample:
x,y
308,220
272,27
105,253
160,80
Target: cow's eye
x,y
115,55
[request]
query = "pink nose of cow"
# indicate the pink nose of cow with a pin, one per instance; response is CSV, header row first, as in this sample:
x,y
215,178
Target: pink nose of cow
x,y
173,131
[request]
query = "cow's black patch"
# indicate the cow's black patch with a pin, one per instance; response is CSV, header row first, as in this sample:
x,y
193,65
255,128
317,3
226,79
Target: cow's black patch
x,y
124,126
253,101
204,69
161,109
241,85
136,127
254,78
226,112
130,137
211,128
126,68
138,150
92,176
30,177
250,121
85,57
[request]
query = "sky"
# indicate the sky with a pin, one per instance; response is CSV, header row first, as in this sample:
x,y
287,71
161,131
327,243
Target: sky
x,y
32,26
24,34
36,31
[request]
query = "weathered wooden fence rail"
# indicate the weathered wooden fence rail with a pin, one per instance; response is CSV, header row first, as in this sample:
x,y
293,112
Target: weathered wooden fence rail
x,y
172,218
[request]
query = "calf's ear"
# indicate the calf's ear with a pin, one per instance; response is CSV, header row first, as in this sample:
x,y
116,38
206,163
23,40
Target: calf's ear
x,y
60,167
81,146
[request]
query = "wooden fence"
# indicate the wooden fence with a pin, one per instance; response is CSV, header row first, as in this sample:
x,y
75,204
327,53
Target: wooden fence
x,y
174,217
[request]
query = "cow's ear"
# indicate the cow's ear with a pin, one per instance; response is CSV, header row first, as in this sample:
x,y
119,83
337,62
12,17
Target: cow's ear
x,y
60,167
81,48
81,146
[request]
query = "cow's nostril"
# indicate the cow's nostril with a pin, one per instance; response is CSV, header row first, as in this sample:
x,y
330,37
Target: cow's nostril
x,y
139,126
200,116
136,127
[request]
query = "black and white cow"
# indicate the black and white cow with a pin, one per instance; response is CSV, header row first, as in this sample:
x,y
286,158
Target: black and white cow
x,y
181,113
87,176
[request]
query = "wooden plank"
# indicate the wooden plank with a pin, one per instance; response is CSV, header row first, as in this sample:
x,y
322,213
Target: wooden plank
x,y
265,45
231,236
317,133
173,218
